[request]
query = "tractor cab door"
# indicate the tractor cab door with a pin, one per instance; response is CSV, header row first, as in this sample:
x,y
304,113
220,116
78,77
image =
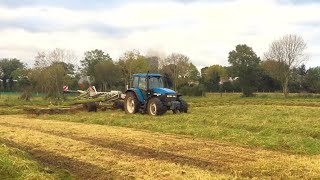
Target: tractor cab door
x,y
142,85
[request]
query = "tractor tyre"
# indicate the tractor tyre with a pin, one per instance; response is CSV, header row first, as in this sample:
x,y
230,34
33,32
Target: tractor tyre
x,y
91,107
131,103
183,105
156,107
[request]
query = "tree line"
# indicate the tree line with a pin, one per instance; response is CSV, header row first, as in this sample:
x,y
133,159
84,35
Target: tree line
x,y
281,69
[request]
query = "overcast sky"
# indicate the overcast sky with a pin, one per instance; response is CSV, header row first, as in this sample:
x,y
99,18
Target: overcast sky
x,y
204,30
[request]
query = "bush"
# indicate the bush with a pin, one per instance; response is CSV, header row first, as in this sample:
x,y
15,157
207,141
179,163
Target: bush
x,y
192,90
231,87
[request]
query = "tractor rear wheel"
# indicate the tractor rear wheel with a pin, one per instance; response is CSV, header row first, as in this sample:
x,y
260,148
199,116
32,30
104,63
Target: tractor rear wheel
x,y
156,107
131,103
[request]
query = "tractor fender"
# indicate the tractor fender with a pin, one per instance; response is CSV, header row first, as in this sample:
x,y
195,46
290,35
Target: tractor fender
x,y
138,94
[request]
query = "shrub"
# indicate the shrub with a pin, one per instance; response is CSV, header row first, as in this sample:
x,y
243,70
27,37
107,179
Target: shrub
x,y
192,90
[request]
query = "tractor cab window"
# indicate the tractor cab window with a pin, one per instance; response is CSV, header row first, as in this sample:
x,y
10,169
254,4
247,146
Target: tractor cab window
x,y
155,82
142,83
135,81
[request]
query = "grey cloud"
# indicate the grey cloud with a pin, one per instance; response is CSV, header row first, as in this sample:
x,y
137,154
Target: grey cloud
x,y
69,4
30,24
88,5
298,2
39,24
310,24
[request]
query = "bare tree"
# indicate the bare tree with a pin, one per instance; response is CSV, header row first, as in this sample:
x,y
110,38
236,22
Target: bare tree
x,y
40,60
179,68
289,52
45,59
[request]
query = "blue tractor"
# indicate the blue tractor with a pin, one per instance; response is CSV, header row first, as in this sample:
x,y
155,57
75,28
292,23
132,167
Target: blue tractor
x,y
148,95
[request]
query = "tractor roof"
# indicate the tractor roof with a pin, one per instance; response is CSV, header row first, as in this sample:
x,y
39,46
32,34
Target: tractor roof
x,y
145,75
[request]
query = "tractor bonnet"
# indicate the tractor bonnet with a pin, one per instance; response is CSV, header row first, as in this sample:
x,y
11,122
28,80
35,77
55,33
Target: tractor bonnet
x,y
164,91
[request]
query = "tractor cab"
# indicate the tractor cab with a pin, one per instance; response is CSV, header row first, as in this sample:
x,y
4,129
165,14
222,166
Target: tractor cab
x,y
148,94
150,83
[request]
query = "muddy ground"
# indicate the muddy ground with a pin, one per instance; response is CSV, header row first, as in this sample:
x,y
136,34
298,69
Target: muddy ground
x,y
103,152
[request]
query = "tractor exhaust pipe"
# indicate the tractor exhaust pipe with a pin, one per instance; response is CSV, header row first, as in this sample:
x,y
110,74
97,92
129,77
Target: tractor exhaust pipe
x,y
148,80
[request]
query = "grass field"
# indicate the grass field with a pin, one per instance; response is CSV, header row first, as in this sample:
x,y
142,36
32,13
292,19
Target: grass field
x,y
226,137
17,164
106,152
265,121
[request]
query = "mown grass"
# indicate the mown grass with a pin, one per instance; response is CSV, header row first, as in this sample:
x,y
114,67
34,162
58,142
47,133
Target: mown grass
x,y
267,121
125,152
16,164
12,104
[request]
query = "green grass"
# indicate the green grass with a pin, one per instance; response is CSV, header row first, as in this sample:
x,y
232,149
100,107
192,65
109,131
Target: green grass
x,y
267,121
12,104
16,164
13,100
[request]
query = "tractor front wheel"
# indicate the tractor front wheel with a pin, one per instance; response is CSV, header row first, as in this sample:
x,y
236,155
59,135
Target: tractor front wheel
x,y
156,107
183,106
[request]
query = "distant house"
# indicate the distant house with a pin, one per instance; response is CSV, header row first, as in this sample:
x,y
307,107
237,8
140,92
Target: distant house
x,y
193,83
230,79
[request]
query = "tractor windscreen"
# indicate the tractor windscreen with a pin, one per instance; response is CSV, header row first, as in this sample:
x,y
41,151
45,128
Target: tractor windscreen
x,y
155,82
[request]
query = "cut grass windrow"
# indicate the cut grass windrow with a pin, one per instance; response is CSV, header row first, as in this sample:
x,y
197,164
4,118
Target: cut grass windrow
x,y
126,153
287,128
17,164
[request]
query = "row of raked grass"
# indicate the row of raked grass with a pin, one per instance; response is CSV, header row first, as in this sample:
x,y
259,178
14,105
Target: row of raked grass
x,y
267,120
246,121
17,164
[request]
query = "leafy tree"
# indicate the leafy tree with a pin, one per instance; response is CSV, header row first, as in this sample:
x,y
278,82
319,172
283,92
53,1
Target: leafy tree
x,y
55,77
231,86
211,77
313,80
270,76
133,62
168,72
49,80
301,73
266,83
107,73
273,68
297,79
91,59
68,67
153,62
245,64
51,71
289,52
7,66
23,82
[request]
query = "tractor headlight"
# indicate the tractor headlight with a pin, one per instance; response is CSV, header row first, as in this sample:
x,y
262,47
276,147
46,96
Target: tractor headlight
x,y
171,96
